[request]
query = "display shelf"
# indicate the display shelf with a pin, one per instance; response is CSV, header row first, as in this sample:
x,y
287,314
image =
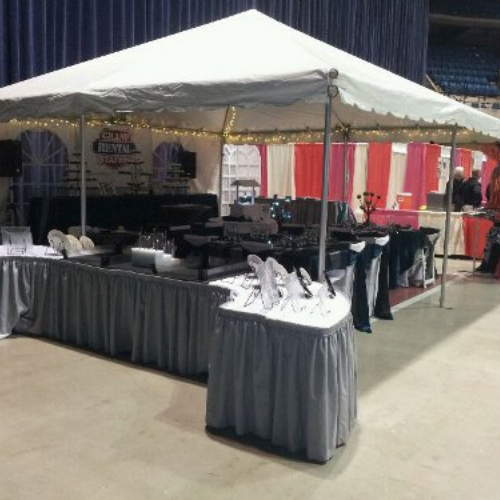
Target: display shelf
x,y
176,181
72,178
133,168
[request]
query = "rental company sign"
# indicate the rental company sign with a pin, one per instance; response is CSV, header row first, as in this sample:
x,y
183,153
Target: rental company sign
x,y
114,147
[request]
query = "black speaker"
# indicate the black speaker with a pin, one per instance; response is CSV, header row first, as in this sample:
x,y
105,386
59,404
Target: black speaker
x,y
11,158
188,162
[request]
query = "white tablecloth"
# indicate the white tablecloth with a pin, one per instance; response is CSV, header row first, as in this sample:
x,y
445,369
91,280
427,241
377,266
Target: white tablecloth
x,y
437,220
32,251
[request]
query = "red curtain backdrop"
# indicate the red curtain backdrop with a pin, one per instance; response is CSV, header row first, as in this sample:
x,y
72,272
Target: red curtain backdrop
x,y
492,153
488,167
432,155
415,182
379,166
463,158
336,171
308,170
263,170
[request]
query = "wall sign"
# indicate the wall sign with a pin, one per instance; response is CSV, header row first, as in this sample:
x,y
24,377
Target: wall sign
x,y
114,147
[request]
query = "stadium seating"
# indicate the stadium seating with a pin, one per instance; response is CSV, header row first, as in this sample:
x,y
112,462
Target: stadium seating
x,y
484,9
459,70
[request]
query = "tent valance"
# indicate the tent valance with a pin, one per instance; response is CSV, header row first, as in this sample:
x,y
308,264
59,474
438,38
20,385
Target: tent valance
x,y
276,76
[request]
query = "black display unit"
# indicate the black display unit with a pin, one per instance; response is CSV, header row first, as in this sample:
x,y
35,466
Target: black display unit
x,y
11,158
188,162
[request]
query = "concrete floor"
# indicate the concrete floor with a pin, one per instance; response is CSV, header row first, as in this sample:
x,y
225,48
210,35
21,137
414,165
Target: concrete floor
x,y
78,426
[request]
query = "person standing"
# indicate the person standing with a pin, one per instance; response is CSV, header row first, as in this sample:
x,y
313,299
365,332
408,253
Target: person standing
x,y
491,252
457,197
472,193
493,190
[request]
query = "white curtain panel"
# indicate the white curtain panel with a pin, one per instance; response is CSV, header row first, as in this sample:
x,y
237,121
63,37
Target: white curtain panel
x,y
477,159
444,167
281,170
397,173
360,169
208,162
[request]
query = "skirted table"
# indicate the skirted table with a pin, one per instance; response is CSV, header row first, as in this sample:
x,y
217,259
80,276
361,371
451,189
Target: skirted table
x,y
133,211
148,319
285,377
426,218
387,217
475,231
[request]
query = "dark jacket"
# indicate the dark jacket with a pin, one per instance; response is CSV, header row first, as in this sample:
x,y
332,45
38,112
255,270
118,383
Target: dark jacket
x,y
471,193
457,198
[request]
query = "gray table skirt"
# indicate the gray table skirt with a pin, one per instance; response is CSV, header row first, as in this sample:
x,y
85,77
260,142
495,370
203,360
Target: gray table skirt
x,y
15,281
158,321
293,386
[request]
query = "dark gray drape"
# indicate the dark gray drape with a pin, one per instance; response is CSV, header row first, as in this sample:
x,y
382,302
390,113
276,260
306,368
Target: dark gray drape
x,y
38,36
292,385
156,321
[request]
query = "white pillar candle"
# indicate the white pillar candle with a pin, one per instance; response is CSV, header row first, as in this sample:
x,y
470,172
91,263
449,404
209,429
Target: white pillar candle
x,y
163,261
144,257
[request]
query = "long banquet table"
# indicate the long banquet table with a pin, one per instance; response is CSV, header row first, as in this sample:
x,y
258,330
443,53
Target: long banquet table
x,y
426,218
148,319
286,377
132,211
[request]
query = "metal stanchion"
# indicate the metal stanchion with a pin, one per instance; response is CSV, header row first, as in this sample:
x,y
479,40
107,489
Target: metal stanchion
x,y
332,92
448,217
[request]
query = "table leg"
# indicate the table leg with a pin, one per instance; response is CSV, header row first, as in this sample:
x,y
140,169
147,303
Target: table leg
x,y
474,252
424,266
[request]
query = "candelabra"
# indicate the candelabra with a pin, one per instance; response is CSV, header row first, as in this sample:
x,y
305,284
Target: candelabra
x,y
280,209
368,203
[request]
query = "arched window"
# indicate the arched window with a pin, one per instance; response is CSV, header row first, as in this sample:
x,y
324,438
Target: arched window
x,y
164,155
239,162
45,159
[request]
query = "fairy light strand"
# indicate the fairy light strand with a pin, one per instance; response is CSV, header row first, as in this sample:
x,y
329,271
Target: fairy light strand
x,y
407,134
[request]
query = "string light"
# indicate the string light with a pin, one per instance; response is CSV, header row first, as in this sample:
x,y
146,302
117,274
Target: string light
x,y
43,123
406,134
230,122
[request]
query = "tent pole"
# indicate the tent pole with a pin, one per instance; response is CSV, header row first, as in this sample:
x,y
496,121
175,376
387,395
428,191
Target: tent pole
x,y
83,177
332,92
224,133
448,216
346,170
221,170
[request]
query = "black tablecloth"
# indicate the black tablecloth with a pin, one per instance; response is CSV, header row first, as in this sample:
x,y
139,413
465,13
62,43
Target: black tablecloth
x,y
308,211
181,214
132,212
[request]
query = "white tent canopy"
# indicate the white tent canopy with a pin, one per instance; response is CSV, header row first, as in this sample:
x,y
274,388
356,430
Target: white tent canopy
x,y
277,79
275,75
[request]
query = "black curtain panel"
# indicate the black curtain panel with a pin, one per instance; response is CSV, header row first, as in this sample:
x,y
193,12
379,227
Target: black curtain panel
x,y
38,36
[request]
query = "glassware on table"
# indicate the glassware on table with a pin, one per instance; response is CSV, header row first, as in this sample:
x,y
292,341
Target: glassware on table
x,y
146,240
158,240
